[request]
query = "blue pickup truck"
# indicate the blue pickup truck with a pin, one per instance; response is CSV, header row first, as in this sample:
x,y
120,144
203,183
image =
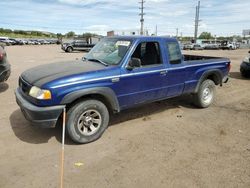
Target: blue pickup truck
x,y
117,74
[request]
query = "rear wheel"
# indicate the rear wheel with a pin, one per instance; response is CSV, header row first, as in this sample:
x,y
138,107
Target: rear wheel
x,y
69,49
205,96
87,121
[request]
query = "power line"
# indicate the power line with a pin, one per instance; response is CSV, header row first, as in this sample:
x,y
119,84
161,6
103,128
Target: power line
x,y
142,16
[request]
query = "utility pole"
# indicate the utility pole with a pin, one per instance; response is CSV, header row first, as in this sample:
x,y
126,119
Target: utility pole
x,y
156,30
142,15
177,32
197,20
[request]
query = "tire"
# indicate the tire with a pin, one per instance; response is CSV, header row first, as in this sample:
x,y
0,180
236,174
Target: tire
x,y
244,73
87,120
205,96
69,49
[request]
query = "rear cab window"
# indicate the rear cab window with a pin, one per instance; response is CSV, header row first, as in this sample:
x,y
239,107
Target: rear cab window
x,y
174,53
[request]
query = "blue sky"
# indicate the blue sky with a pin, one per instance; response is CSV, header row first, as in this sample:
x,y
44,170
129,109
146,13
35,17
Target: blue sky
x,y
220,17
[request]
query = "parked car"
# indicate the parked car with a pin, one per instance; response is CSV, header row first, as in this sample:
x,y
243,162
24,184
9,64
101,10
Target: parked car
x,y
187,46
196,47
6,41
227,45
20,41
211,47
4,66
35,42
117,74
17,41
77,45
245,66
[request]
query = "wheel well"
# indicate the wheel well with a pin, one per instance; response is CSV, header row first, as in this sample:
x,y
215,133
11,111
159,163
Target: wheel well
x,y
69,47
98,97
214,77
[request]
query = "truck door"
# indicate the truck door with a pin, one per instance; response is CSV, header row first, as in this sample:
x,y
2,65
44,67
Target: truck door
x,y
143,83
176,73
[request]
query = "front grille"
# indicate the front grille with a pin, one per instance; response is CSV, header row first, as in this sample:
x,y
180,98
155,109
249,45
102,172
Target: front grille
x,y
24,85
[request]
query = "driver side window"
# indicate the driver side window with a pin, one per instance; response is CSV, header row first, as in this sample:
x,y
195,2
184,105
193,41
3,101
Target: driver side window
x,y
148,53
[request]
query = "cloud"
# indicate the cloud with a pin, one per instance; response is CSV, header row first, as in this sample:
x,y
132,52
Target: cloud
x,y
219,17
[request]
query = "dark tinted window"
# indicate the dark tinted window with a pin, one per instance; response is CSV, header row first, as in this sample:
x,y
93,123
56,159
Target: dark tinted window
x,y
174,52
148,53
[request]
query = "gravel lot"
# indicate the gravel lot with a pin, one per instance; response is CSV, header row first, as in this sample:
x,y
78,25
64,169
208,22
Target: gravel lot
x,y
164,144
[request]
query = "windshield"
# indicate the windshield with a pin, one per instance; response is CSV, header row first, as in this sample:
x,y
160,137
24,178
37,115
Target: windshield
x,y
110,51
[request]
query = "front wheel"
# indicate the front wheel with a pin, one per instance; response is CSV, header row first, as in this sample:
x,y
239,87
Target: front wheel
x,y
205,96
244,73
87,121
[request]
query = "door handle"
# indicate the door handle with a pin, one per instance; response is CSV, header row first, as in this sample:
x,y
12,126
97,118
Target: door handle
x,y
163,73
115,80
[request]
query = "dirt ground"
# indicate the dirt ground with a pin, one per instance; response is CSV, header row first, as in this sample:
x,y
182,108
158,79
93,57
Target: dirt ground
x,y
164,144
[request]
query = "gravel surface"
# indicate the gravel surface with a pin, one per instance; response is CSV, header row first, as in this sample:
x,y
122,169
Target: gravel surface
x,y
165,144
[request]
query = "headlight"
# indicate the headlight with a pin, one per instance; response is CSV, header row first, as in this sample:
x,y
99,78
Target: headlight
x,y
40,93
247,59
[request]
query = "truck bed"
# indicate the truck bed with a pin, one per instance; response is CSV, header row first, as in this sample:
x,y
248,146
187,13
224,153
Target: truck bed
x,y
199,57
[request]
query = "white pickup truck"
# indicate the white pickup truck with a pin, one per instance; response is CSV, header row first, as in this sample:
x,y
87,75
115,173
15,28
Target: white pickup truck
x,y
227,45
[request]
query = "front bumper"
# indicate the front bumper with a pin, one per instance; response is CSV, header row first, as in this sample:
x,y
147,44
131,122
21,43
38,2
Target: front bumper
x,y
4,73
45,117
63,47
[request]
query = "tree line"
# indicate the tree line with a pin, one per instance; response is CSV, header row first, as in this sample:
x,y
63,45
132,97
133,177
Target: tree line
x,y
69,34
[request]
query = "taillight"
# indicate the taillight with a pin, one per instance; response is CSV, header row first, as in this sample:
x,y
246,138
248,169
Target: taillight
x,y
229,67
1,56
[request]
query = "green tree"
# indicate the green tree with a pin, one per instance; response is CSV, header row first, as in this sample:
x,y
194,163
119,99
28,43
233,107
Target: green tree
x,y
59,35
206,35
70,34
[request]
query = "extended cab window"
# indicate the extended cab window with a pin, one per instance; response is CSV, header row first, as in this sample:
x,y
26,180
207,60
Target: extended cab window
x,y
148,53
174,53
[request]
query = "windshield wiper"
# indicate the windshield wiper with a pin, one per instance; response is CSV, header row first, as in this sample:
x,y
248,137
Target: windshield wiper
x,y
97,60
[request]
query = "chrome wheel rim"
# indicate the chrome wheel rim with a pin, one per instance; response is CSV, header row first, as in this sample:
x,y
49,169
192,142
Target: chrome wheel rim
x,y
89,122
207,95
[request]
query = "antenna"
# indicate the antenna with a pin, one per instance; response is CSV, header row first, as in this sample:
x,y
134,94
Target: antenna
x,y
142,16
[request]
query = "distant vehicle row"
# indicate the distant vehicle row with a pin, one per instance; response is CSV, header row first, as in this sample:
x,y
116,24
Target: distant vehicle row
x,y
225,45
11,41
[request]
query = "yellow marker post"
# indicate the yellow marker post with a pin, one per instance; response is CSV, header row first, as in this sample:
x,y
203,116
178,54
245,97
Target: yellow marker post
x,y
63,140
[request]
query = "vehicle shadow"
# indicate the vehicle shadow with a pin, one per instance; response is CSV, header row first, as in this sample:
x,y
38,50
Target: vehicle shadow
x,y
32,134
237,75
146,110
3,87
36,135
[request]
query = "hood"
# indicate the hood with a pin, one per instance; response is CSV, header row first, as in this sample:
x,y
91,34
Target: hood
x,y
43,74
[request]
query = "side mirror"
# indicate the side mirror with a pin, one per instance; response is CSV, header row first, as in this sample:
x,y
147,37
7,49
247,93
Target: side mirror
x,y
133,63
